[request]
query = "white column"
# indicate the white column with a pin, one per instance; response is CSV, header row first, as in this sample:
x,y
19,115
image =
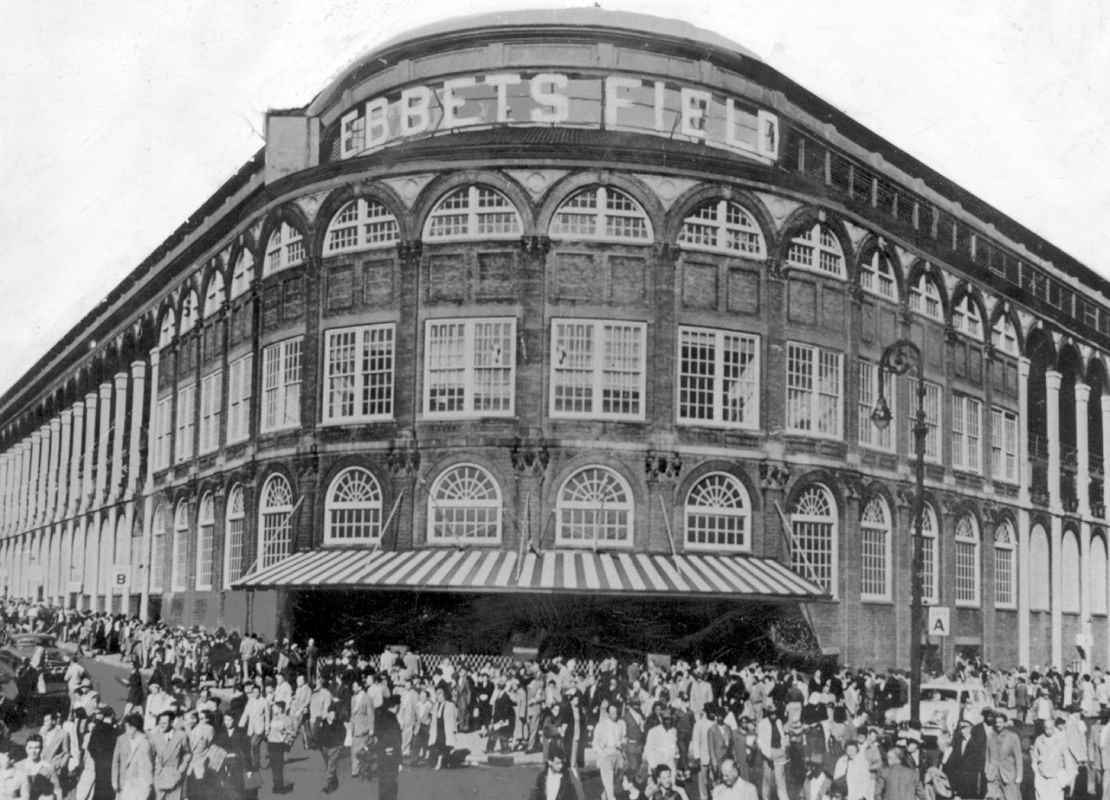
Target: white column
x,y
144,568
52,469
1052,406
1084,578
102,447
153,417
138,383
33,504
88,464
114,489
41,500
1024,572
62,506
73,501
1082,452
6,485
26,490
1056,551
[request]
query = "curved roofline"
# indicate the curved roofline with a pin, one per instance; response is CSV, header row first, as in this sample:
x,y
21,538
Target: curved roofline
x,y
553,18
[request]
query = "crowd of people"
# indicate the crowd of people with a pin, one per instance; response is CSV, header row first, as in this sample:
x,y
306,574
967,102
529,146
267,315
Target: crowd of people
x,y
209,713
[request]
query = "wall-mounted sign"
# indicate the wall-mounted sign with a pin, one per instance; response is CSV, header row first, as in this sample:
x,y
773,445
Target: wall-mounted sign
x,y
121,578
940,621
612,102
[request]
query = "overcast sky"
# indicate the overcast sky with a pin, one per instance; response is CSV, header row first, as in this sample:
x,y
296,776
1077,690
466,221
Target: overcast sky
x,y
118,119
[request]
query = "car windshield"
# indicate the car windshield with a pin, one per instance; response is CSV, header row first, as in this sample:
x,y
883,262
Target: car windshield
x,y
941,695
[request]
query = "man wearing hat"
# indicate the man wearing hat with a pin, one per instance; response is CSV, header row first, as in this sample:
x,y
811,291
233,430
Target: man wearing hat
x,y
1004,760
909,740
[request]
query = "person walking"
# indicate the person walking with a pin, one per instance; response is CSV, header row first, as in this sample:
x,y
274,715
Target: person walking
x,y
256,722
441,738
1004,761
896,781
362,727
388,732
280,734
330,733
133,762
608,742
1049,758
171,758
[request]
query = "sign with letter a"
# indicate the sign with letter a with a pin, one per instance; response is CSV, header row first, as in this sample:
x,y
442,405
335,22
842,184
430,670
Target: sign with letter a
x,y
940,621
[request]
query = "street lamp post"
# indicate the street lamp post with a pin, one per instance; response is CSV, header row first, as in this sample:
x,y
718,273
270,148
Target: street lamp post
x,y
898,359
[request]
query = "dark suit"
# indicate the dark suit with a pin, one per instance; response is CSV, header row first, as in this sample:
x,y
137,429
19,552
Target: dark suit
x,y
566,788
898,782
966,766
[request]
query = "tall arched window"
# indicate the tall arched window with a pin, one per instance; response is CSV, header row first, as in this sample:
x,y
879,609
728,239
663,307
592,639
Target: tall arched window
x,y
473,212
189,313
242,274
275,531
813,518
925,298
717,514
206,541
1040,571
930,578
361,225
1069,562
1097,575
157,550
594,506
214,295
875,550
233,535
601,213
1004,336
722,226
967,561
169,328
967,319
817,249
353,510
876,276
180,566
464,504
1005,566
285,249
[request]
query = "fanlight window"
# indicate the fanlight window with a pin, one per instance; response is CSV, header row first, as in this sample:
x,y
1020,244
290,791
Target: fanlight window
x,y
1005,566
594,507
214,296
876,276
464,505
354,507
242,274
157,550
275,529
875,550
967,561
180,547
724,227
1005,336
717,513
473,212
930,578
966,318
817,249
285,249
813,519
601,213
361,225
234,535
206,541
925,298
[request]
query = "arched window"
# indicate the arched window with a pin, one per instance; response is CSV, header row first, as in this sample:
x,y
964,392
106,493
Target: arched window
x,y
242,274
814,522
285,249
925,298
233,535
817,249
180,566
275,532
214,296
594,506
722,226
875,550
189,312
157,550
169,328
967,561
601,213
1040,571
717,514
206,541
967,319
473,212
1097,575
1004,335
361,225
353,510
930,578
1005,566
464,504
1069,561
876,276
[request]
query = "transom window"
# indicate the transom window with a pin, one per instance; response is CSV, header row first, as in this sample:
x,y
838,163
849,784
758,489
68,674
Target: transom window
x,y
275,531
1005,566
464,504
206,542
875,550
214,297
813,550
876,276
597,369
242,274
157,550
814,390
967,319
966,432
1004,335
361,225
602,213
594,508
717,514
353,511
817,249
930,567
870,434
925,298
285,249
469,367
724,227
358,365
473,212
1004,434
233,547
180,565
967,561
281,385
718,378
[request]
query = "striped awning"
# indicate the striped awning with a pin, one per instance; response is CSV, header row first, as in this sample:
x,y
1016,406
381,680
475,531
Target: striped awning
x,y
638,574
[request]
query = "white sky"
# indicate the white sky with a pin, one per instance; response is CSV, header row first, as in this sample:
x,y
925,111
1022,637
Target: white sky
x,y
118,119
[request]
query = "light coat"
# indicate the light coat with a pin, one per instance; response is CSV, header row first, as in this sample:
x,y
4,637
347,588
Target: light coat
x,y
171,760
133,767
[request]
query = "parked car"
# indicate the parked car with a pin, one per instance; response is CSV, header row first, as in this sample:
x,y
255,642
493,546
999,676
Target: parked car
x,y
940,701
20,646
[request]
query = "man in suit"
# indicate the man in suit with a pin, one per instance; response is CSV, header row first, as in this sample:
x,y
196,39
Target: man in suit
x,y
388,732
362,725
896,781
966,766
132,762
553,783
633,734
718,741
55,743
171,758
256,720
1004,760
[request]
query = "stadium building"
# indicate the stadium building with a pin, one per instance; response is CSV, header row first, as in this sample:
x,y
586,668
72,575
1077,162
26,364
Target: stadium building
x,y
577,304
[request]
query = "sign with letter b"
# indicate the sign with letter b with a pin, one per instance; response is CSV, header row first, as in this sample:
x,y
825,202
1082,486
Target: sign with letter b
x,y
121,579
